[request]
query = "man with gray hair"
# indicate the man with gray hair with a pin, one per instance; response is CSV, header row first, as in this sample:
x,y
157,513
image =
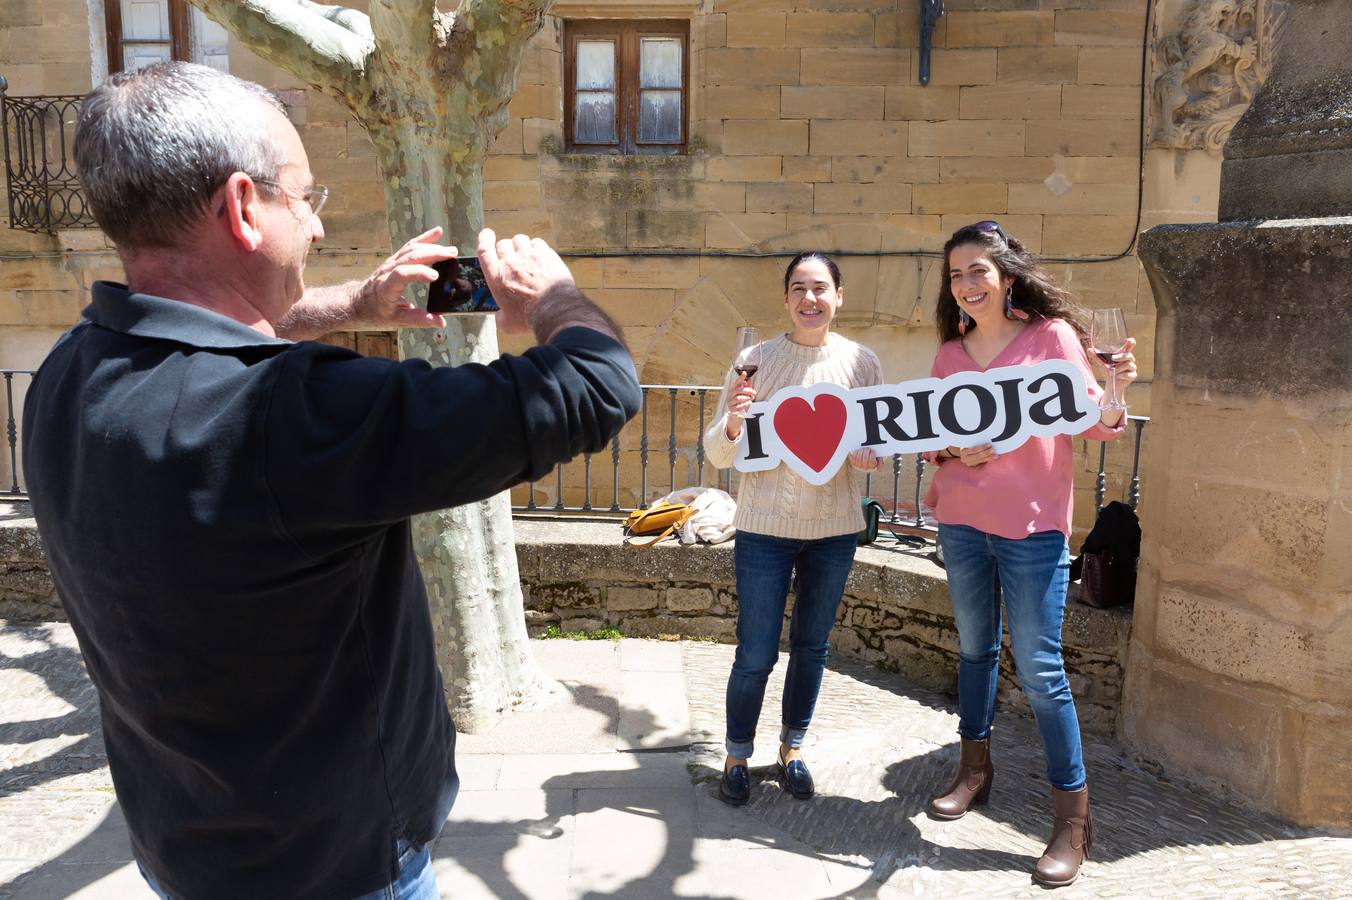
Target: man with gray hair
x,y
225,504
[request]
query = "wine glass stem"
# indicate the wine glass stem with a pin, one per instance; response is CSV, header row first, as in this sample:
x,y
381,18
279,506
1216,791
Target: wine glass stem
x,y
1112,386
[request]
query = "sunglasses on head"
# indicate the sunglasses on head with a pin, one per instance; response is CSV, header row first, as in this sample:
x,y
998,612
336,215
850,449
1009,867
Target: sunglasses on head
x,y
990,226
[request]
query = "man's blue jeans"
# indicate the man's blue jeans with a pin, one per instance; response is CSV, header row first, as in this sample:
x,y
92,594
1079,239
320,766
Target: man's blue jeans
x,y
1032,573
416,880
764,567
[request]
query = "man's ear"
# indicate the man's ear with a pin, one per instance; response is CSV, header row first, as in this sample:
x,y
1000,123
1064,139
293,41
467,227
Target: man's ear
x,y
242,211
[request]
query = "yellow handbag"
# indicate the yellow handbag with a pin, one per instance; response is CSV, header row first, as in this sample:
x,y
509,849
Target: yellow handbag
x,y
660,519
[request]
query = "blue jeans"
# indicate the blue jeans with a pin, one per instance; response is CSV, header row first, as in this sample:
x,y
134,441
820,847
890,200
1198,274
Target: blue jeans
x,y
764,566
416,881
1032,573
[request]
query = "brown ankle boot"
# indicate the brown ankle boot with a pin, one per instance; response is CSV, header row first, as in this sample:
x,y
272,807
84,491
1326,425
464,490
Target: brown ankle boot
x,y
971,785
1072,836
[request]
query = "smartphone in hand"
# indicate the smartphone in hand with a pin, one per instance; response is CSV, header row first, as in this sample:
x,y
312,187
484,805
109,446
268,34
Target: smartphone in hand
x,y
460,288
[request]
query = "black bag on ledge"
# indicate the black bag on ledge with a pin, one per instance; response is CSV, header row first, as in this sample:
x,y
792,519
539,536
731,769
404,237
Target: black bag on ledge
x,y
1106,566
873,513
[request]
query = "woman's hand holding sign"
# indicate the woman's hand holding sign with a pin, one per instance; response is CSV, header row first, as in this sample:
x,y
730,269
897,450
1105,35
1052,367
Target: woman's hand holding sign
x,y
864,458
978,455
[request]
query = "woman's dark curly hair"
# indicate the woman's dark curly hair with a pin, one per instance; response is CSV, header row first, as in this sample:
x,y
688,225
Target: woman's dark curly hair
x,y
1034,291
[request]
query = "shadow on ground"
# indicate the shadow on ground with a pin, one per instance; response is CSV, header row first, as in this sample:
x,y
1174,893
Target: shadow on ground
x,y
654,827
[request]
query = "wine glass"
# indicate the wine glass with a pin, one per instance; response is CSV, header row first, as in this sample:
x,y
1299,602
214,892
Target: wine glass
x,y
1107,338
747,361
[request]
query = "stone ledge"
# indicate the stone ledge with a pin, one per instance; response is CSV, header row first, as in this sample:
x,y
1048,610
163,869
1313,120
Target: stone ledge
x,y
579,575
26,590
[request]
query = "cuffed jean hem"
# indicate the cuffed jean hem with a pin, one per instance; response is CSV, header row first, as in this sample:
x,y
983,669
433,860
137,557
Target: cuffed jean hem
x,y
792,737
739,749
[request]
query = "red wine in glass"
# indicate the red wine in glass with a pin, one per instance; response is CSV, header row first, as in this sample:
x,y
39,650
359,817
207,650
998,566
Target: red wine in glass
x,y
1107,338
747,361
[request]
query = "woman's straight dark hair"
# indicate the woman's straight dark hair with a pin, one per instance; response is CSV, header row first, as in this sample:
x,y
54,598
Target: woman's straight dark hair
x,y
820,257
1034,290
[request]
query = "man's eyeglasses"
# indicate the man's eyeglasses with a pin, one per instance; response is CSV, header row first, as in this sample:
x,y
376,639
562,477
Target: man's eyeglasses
x,y
990,226
315,196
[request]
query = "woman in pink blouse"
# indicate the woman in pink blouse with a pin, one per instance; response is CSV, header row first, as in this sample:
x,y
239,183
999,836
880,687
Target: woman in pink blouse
x,y
1004,522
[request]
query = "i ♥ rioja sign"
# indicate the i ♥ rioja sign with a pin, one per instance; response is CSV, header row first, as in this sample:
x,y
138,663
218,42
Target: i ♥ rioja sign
x,y
812,429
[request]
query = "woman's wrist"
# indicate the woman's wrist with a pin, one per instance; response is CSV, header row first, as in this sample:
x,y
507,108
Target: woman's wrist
x,y
1111,418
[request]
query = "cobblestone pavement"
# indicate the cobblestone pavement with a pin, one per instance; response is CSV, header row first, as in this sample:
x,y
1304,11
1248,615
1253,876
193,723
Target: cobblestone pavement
x,y
616,797
879,748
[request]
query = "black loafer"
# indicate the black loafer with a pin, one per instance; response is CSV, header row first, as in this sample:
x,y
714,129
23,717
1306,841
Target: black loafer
x,y
734,788
797,780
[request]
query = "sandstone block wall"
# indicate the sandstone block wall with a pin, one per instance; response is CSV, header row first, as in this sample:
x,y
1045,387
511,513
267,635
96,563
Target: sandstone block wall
x,y
809,129
895,612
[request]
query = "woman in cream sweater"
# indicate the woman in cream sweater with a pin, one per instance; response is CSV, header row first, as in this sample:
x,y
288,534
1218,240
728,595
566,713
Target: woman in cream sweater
x,y
786,526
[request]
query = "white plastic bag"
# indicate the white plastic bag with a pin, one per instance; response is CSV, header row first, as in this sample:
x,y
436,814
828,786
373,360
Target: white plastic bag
x,y
712,521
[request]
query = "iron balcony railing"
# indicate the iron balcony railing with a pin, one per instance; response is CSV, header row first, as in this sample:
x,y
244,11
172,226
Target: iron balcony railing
x,y
12,429
679,414
42,188
662,450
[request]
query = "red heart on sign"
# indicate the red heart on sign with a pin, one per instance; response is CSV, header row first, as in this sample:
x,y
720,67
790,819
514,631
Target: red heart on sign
x,y
811,434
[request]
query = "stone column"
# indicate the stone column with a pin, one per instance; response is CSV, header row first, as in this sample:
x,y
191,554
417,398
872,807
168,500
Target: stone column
x,y
1240,666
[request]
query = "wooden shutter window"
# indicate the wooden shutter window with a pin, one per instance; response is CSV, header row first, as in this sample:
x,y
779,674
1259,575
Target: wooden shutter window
x,y
626,86
141,32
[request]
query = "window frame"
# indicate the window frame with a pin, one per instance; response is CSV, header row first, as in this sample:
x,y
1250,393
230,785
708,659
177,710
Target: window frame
x,y
627,34
180,32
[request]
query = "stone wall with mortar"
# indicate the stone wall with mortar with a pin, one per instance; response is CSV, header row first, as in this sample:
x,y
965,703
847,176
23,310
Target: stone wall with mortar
x,y
26,590
809,128
578,576
895,613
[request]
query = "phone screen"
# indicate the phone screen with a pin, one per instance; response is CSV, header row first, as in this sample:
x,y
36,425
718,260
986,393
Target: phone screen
x,y
460,288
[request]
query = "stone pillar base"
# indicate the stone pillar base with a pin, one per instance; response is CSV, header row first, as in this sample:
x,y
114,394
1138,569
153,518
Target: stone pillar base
x,y
1241,659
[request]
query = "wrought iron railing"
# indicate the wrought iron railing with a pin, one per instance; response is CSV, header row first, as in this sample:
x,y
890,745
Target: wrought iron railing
x,y
679,414
1133,492
12,430
662,450
670,407
40,182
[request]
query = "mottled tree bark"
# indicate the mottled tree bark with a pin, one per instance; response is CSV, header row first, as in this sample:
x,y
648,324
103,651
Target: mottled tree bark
x,y
431,89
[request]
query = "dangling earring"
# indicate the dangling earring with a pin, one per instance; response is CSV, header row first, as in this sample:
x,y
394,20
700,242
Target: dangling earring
x,y
1010,311
964,321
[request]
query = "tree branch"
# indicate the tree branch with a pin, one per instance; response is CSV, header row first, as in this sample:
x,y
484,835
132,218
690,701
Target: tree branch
x,y
488,38
403,28
325,46
353,20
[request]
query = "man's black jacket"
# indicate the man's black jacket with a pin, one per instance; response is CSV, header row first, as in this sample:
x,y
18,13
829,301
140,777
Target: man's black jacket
x,y
226,517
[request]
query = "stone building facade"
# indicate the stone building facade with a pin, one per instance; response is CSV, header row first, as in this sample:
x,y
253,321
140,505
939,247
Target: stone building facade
x,y
806,126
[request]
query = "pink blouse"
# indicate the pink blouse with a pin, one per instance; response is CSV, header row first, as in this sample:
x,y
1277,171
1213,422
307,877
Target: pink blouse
x,y
1028,489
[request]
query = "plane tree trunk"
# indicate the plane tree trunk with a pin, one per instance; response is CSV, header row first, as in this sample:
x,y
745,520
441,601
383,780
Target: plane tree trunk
x,y
431,89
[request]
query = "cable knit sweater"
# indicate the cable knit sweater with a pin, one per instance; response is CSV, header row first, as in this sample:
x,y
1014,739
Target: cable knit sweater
x,y
778,502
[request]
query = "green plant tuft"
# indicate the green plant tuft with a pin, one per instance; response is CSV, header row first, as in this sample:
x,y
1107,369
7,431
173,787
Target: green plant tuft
x,y
554,632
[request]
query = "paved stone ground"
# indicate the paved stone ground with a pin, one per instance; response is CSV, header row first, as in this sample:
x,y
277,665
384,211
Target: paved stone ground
x,y
611,794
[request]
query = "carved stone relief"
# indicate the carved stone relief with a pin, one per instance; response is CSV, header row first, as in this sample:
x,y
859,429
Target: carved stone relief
x,y
1209,70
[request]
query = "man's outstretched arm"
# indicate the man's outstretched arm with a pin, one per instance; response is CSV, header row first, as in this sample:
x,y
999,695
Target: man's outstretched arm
x,y
374,302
